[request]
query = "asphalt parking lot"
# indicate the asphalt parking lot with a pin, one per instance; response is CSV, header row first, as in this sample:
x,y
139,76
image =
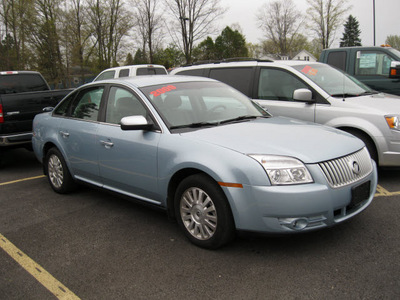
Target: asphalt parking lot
x,y
93,245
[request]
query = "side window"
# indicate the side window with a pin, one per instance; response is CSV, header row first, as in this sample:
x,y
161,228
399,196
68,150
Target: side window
x,y
194,72
106,75
239,78
122,103
87,103
276,84
372,63
337,59
123,73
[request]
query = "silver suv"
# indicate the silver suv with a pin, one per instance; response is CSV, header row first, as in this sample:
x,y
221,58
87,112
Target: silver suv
x,y
318,93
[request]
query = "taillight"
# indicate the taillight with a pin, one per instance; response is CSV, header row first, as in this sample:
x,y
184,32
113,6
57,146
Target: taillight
x,y
1,114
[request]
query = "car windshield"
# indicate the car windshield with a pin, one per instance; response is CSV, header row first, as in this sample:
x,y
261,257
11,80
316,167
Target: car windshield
x,y
201,104
335,82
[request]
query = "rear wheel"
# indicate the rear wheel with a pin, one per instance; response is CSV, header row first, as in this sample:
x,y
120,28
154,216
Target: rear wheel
x,y
59,177
203,212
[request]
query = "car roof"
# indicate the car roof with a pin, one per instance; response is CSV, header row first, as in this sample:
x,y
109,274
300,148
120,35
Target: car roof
x,y
149,80
134,66
249,63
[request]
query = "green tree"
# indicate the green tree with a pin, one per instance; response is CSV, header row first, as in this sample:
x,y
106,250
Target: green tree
x,y
140,57
394,41
205,50
351,34
231,43
129,60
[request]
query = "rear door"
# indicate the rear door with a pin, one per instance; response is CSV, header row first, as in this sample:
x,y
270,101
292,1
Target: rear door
x,y
77,134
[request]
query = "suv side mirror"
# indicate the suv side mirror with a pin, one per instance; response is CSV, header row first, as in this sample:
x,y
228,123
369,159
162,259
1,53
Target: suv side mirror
x,y
303,95
135,123
394,69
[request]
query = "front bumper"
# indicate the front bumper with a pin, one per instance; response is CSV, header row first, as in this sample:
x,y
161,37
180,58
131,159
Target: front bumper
x,y
286,209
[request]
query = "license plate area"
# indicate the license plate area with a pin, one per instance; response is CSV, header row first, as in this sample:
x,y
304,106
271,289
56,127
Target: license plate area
x,y
359,194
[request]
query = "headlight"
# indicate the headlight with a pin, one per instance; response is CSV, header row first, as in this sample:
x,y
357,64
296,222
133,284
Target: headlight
x,y
283,170
393,122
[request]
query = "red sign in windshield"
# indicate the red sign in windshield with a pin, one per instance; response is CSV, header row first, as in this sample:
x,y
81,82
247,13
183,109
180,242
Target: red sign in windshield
x,y
163,90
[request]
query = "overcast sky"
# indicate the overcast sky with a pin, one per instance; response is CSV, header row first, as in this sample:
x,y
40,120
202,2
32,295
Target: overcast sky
x,y
387,19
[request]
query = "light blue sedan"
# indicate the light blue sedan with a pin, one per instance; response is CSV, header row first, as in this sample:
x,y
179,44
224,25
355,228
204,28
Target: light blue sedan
x,y
205,153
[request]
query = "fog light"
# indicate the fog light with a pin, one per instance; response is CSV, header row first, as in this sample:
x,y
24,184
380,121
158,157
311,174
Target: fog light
x,y
294,223
299,223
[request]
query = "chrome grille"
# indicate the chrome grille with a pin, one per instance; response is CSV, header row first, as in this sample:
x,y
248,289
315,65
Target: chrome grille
x,y
348,169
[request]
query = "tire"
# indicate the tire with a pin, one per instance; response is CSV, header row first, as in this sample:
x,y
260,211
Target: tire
x,y
59,177
367,141
203,212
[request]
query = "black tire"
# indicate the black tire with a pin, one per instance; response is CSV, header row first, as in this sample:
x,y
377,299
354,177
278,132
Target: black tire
x,y
203,212
59,177
367,141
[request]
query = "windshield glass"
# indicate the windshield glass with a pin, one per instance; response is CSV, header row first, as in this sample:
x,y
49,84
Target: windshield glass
x,y
197,104
335,82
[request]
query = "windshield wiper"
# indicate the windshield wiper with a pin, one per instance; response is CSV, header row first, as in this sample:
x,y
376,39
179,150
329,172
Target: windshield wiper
x,y
344,95
195,125
241,118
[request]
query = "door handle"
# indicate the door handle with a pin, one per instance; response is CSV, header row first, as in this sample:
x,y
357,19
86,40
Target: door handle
x,y
106,144
64,134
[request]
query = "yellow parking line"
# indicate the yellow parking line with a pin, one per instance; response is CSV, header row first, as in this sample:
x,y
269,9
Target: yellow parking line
x,y
380,191
45,278
19,180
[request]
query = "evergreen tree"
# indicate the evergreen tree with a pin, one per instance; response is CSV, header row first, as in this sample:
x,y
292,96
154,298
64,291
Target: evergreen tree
x,y
231,43
351,34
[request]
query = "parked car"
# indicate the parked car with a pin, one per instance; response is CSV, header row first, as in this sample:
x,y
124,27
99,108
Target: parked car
x,y
23,94
206,154
317,93
130,71
377,67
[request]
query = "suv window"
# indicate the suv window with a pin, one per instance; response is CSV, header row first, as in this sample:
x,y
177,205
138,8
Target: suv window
x,y
194,72
150,71
87,103
122,103
106,75
123,73
338,59
240,77
19,83
277,84
372,63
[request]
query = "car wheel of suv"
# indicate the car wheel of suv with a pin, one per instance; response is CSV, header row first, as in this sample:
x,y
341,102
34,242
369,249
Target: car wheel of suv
x,y
367,141
203,212
59,177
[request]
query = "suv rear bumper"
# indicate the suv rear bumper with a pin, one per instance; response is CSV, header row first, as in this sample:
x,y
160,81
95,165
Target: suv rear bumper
x,y
15,139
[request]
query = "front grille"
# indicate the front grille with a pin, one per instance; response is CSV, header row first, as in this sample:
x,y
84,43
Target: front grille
x,y
348,169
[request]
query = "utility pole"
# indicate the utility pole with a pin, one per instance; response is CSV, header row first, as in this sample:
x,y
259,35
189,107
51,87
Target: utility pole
x,y
374,21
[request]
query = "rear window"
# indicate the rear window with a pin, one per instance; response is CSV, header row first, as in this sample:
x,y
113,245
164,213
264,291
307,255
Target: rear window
x,y
240,78
19,83
338,59
150,71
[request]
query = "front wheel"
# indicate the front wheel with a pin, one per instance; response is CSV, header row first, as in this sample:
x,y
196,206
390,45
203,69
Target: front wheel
x,y
203,212
59,177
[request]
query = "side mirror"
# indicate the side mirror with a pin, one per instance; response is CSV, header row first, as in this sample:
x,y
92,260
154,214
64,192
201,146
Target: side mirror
x,y
135,123
394,69
303,95
48,109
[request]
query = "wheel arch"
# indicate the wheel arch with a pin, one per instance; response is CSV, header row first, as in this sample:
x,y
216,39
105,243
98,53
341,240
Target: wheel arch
x,y
366,138
173,185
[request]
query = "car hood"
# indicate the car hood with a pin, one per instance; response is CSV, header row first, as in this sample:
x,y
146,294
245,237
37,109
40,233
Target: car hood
x,y
383,103
309,142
